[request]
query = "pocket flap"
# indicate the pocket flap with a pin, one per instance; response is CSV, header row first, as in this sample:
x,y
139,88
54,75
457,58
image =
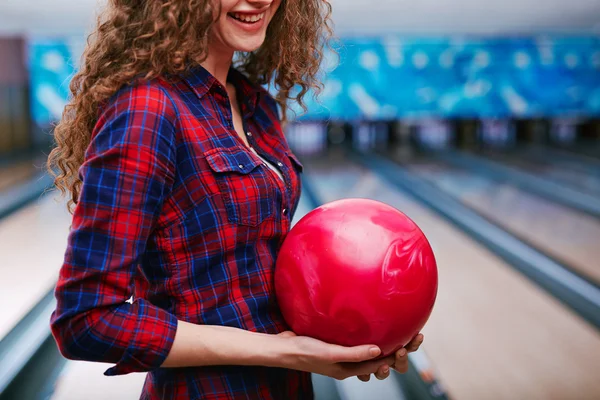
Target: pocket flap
x,y
231,160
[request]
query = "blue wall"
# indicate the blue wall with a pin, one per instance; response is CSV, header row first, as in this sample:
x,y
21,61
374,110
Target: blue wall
x,y
399,77
52,63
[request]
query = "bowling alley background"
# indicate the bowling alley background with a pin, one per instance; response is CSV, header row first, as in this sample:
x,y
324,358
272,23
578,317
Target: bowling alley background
x,y
478,120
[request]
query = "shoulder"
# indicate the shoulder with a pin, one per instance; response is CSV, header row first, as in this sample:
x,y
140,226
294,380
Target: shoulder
x,y
152,98
141,114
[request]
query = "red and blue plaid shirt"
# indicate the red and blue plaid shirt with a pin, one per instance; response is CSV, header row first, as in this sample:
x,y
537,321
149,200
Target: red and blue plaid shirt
x,y
177,212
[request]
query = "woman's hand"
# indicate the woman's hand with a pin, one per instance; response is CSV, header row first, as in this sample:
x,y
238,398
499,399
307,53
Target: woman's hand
x,y
210,345
338,362
401,360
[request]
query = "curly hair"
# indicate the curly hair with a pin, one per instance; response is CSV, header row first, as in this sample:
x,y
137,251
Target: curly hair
x,y
142,40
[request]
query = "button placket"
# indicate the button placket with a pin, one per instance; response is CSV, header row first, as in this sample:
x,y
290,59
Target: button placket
x,y
281,169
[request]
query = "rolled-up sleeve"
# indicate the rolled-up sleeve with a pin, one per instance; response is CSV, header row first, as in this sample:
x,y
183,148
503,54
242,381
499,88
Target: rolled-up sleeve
x,y
127,172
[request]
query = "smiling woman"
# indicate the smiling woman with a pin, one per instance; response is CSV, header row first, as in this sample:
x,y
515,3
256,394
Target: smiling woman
x,y
184,188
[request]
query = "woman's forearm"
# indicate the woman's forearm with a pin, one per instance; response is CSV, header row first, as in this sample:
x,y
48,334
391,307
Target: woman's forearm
x,y
207,345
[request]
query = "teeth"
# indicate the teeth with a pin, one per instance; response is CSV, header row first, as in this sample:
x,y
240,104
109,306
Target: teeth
x,y
248,18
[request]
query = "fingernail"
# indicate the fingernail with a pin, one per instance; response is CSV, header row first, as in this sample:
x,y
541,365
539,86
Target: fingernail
x,y
386,370
374,351
402,352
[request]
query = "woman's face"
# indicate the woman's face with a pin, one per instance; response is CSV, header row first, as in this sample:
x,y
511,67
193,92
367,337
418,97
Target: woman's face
x,y
242,25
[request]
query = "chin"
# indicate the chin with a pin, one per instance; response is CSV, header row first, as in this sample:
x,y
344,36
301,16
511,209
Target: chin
x,y
247,46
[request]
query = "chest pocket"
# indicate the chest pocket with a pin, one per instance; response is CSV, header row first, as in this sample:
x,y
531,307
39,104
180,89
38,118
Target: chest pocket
x,y
247,192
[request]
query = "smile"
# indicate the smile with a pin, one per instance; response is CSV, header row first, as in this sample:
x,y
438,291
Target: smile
x,y
247,18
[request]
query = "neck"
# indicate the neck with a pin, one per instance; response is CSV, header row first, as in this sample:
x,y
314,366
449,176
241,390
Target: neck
x,y
218,63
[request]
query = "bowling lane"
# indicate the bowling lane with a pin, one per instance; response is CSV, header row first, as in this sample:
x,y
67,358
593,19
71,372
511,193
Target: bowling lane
x,y
569,172
589,149
493,333
86,380
564,233
32,245
14,173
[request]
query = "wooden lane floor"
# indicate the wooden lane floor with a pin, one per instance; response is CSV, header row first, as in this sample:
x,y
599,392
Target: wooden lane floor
x,y
568,172
493,333
564,233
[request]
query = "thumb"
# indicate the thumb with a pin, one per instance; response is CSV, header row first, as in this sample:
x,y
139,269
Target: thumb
x,y
286,334
355,354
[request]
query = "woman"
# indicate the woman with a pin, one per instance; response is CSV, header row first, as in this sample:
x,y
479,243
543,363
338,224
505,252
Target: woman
x,y
183,189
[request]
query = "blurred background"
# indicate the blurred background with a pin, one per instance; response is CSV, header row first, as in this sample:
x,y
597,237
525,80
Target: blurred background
x,y
479,119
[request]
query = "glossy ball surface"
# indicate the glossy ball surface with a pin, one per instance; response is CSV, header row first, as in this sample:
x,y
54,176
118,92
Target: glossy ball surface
x,y
354,272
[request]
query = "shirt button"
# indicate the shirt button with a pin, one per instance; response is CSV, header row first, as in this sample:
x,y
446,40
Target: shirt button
x,y
280,164
241,166
285,211
249,133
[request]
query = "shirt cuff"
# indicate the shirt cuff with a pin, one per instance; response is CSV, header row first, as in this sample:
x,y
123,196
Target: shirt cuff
x,y
151,344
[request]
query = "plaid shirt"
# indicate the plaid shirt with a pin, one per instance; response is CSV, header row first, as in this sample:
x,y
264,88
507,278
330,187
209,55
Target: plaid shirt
x,y
177,212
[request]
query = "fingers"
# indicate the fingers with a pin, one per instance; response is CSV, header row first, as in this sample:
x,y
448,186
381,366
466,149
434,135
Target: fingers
x,y
378,367
401,364
357,354
363,368
383,372
415,343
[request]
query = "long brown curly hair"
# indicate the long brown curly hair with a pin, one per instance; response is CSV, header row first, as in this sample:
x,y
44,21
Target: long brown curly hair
x,y
145,39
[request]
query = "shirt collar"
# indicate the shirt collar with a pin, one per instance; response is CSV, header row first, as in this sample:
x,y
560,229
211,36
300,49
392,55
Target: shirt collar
x,y
201,81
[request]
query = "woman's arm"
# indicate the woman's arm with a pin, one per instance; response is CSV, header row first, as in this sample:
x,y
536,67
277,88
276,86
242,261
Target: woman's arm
x,y
204,345
127,173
